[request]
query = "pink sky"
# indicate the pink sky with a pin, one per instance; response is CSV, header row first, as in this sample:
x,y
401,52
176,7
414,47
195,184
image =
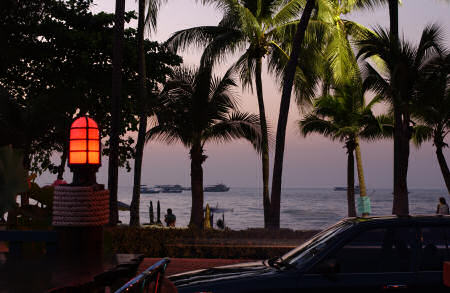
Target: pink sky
x,y
311,162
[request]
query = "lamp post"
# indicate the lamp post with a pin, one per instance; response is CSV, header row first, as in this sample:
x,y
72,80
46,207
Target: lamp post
x,y
84,151
80,209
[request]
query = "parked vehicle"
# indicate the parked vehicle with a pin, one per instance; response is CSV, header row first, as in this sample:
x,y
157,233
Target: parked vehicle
x,y
377,254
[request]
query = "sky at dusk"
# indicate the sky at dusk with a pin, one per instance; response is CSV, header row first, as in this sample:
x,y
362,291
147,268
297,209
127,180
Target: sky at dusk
x,y
309,162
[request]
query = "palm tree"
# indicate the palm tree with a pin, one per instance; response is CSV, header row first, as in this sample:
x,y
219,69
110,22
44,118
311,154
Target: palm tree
x,y
289,73
150,20
401,69
113,163
344,116
399,144
431,109
259,27
200,108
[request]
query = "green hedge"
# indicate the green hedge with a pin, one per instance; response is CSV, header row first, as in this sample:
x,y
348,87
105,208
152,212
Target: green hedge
x,y
159,242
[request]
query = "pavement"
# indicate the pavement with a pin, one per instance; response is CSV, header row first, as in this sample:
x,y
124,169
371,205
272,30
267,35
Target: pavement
x,y
180,265
3,247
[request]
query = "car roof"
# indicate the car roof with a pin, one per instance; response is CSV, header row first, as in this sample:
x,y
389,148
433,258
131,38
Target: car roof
x,y
394,218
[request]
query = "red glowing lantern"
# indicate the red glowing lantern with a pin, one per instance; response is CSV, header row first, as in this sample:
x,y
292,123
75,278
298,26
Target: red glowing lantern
x,y
84,149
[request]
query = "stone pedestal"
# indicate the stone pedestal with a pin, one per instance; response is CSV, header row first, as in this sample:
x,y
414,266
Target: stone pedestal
x,y
79,213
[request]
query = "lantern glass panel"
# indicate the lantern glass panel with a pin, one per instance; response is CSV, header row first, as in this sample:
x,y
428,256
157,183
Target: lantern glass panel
x,y
77,158
78,133
77,145
93,133
92,123
93,145
80,122
94,157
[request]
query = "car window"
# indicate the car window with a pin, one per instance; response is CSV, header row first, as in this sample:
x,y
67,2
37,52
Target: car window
x,y
375,250
434,248
315,245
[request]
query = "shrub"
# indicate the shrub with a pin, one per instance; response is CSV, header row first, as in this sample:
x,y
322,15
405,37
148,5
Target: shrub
x,y
177,242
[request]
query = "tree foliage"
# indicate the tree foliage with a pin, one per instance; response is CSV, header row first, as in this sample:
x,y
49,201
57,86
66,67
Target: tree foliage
x,y
200,108
56,63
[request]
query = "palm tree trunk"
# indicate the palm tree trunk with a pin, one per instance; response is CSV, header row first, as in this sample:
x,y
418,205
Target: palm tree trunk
x,y
288,81
24,199
264,142
197,159
401,157
443,165
351,182
401,139
113,164
393,17
134,207
359,167
62,165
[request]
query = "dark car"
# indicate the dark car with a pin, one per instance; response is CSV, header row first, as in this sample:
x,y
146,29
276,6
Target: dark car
x,y
377,254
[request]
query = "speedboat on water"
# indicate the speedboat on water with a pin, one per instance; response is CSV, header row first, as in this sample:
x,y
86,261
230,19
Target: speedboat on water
x,y
145,189
170,188
341,188
216,188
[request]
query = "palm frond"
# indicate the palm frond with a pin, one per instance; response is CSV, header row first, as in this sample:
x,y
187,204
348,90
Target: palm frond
x,y
153,7
431,43
237,125
168,134
291,10
375,82
245,67
223,44
421,134
314,124
199,36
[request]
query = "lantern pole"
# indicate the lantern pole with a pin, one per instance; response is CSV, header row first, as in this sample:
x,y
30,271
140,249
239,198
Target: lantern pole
x,y
81,209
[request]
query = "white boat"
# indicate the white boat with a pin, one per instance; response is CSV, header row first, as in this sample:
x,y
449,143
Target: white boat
x,y
170,188
145,189
216,188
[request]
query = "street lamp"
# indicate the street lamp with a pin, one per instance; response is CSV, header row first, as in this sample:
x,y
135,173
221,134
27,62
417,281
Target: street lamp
x,y
84,151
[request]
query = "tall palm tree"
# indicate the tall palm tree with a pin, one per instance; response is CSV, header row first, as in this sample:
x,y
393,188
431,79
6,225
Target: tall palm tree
x,y
399,144
431,108
149,19
200,108
401,69
113,163
259,27
344,116
289,73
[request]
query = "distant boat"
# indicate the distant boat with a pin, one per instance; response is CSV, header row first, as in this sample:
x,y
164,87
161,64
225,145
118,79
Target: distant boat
x,y
145,189
216,188
170,188
340,188
122,206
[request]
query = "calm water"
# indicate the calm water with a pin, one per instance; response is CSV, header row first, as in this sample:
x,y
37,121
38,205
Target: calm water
x,y
301,208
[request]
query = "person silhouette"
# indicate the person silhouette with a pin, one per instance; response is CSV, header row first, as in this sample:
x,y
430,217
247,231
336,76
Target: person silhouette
x,y
442,207
170,218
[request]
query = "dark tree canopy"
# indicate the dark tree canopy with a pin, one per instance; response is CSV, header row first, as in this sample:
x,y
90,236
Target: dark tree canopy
x,y
56,63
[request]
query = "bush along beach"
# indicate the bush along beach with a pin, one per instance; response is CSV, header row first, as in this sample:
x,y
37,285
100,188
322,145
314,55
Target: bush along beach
x,y
182,242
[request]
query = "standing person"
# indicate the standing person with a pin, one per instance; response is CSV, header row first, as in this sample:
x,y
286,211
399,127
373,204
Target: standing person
x,y
170,218
442,208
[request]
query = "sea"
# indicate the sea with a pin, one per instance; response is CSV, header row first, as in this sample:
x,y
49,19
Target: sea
x,y
301,208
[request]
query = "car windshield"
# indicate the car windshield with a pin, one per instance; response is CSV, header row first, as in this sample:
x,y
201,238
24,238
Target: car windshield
x,y
315,245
